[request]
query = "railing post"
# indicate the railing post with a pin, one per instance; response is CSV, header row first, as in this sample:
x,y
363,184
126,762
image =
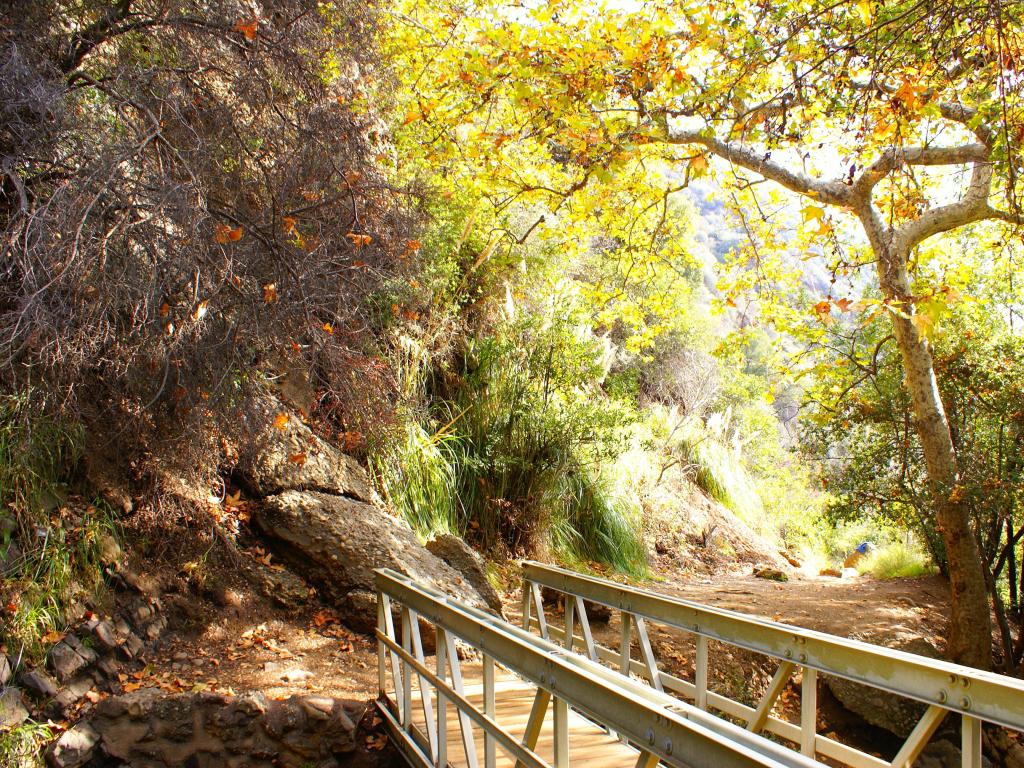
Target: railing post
x,y
764,708
809,712
648,654
700,674
535,721
406,670
441,643
382,667
538,603
490,754
625,642
561,733
526,604
396,669
426,699
588,636
570,621
970,741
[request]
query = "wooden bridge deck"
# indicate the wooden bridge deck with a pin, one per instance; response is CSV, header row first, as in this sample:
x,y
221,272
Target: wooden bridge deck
x,y
589,744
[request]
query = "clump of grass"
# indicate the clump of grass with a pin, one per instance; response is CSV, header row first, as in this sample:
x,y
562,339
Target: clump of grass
x,y
50,551
37,456
504,462
45,576
717,468
21,746
416,474
591,525
896,561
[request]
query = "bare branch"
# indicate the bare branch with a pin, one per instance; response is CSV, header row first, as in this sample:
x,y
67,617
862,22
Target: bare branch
x,y
894,158
834,192
973,208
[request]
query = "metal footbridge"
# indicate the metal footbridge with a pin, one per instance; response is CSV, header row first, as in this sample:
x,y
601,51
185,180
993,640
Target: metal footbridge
x,y
462,687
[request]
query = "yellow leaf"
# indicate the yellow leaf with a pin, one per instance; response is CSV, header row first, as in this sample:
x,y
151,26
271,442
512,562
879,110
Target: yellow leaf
x,y
698,165
281,421
812,213
269,292
924,323
201,309
865,11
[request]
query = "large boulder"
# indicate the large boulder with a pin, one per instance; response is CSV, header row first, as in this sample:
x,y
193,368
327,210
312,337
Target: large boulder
x,y
467,561
280,453
895,714
336,542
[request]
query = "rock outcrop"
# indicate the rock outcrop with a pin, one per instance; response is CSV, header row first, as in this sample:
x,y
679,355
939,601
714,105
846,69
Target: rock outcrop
x,y
468,562
148,728
283,454
336,542
318,512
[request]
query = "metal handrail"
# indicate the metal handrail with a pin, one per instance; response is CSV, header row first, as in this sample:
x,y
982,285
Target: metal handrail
x,y
660,726
980,696
985,695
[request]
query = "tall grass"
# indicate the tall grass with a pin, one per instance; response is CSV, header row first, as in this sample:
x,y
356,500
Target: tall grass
x,y
49,551
511,459
896,561
37,456
591,525
718,468
418,478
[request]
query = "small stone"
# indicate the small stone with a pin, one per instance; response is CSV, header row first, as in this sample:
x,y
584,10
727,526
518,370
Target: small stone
x,y
40,683
104,634
297,676
109,550
271,666
317,707
155,628
141,614
132,646
180,656
109,666
65,661
70,695
12,708
74,748
6,670
772,574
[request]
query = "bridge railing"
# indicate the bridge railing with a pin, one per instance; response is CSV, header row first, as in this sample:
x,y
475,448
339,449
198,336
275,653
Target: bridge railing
x,y
660,728
943,687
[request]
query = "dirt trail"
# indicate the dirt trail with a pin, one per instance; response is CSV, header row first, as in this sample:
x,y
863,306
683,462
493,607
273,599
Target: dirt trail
x,y
858,606
255,646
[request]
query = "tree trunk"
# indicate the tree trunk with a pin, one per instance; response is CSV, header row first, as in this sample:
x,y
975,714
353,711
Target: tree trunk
x,y
970,636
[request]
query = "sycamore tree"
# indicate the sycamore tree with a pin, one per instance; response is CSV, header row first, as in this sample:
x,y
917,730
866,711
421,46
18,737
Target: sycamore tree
x,y
901,118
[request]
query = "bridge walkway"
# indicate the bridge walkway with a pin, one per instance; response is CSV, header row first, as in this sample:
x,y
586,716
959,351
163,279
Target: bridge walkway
x,y
488,693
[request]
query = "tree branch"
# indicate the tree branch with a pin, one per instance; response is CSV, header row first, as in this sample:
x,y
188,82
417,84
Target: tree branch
x,y
832,192
974,207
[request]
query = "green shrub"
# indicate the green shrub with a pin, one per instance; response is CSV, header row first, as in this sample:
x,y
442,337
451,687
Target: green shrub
x,y
38,455
21,746
896,561
60,566
507,459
